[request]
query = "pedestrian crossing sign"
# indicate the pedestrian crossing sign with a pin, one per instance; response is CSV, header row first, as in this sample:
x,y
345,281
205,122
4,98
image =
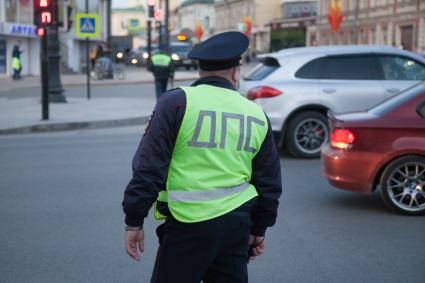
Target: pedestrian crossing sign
x,y
87,25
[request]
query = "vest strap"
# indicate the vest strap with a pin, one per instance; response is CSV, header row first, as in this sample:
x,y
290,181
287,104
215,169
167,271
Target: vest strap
x,y
208,195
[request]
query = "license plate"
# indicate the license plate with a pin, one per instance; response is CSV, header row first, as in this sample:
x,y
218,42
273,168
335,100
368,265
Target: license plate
x,y
186,61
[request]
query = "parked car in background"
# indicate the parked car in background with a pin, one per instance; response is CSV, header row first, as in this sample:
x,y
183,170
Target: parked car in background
x,y
297,87
385,147
178,52
128,57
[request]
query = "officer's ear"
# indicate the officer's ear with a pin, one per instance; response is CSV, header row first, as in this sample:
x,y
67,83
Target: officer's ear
x,y
235,74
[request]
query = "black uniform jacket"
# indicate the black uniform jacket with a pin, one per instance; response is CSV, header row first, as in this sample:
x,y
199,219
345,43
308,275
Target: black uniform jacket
x,y
161,72
152,159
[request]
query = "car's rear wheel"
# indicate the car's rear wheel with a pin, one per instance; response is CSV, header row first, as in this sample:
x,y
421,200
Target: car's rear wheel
x,y
307,133
403,185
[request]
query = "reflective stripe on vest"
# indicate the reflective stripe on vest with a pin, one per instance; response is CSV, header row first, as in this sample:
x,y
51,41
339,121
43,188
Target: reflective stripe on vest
x,y
206,195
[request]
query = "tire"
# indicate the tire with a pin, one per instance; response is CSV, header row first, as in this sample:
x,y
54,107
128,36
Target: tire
x,y
307,133
403,185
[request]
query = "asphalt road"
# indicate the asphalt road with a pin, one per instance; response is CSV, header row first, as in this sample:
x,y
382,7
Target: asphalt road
x,y
61,219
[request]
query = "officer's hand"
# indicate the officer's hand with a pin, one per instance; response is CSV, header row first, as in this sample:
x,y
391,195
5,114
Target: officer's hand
x,y
257,245
134,240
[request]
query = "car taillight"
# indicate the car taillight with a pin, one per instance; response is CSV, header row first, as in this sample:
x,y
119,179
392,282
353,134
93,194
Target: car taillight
x,y
342,138
263,92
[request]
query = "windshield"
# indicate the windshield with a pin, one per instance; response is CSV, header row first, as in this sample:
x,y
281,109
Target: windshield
x,y
180,48
267,66
395,101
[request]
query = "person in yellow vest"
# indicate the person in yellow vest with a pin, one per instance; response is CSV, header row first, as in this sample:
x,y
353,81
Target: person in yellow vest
x,y
161,65
209,163
16,61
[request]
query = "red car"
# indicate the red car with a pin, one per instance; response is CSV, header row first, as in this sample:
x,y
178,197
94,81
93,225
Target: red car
x,y
382,147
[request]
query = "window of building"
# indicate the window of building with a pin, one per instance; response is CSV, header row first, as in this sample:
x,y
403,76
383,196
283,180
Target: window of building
x,y
11,10
401,68
19,11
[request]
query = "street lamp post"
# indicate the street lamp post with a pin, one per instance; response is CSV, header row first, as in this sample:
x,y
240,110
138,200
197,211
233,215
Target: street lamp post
x,y
53,55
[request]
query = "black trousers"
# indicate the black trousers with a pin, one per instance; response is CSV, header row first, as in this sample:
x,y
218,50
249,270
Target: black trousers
x,y
160,86
210,251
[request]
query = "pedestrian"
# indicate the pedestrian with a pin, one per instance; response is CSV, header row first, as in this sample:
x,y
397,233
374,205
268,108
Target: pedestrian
x,y
16,61
208,164
161,65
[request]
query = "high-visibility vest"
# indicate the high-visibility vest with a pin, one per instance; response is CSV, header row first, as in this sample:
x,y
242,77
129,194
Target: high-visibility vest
x,y
16,63
160,59
211,165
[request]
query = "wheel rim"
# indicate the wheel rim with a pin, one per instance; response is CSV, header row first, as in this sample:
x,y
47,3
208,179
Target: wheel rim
x,y
406,186
311,135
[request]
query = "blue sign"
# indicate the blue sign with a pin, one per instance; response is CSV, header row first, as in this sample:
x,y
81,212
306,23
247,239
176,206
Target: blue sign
x,y
23,30
87,25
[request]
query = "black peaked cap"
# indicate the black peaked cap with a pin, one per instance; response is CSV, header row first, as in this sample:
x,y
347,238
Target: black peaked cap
x,y
221,51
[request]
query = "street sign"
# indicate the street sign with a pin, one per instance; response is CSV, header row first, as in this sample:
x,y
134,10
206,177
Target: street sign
x,y
87,25
134,24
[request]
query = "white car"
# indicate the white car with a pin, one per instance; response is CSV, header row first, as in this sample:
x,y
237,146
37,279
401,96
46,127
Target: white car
x,y
298,86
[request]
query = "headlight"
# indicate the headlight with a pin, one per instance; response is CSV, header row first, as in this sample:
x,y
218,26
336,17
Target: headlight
x,y
145,55
134,61
175,57
120,55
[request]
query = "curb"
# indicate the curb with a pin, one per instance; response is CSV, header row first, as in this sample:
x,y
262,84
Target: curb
x,y
115,82
69,126
101,83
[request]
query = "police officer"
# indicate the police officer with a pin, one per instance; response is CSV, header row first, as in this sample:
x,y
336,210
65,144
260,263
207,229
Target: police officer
x,y
209,157
161,65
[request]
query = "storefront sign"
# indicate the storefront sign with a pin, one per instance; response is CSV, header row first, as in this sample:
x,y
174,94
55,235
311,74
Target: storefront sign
x,y
19,30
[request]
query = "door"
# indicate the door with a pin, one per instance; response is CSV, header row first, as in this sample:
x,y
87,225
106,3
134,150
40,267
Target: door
x,y
399,73
3,56
407,37
350,82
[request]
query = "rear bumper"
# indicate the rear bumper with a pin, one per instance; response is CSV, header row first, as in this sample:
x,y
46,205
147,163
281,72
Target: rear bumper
x,y
349,170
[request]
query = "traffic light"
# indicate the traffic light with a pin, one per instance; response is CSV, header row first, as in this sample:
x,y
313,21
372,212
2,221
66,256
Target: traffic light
x,y
44,13
41,31
151,8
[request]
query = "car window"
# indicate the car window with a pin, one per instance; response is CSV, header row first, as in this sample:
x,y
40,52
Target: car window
x,y
310,70
180,48
357,67
421,110
393,102
401,68
262,70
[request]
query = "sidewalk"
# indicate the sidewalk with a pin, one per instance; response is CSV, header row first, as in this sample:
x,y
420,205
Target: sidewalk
x,y
133,75
23,115
20,116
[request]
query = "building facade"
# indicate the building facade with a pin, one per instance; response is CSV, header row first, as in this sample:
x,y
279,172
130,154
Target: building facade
x,y
73,48
291,29
16,23
130,21
231,14
399,23
196,13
